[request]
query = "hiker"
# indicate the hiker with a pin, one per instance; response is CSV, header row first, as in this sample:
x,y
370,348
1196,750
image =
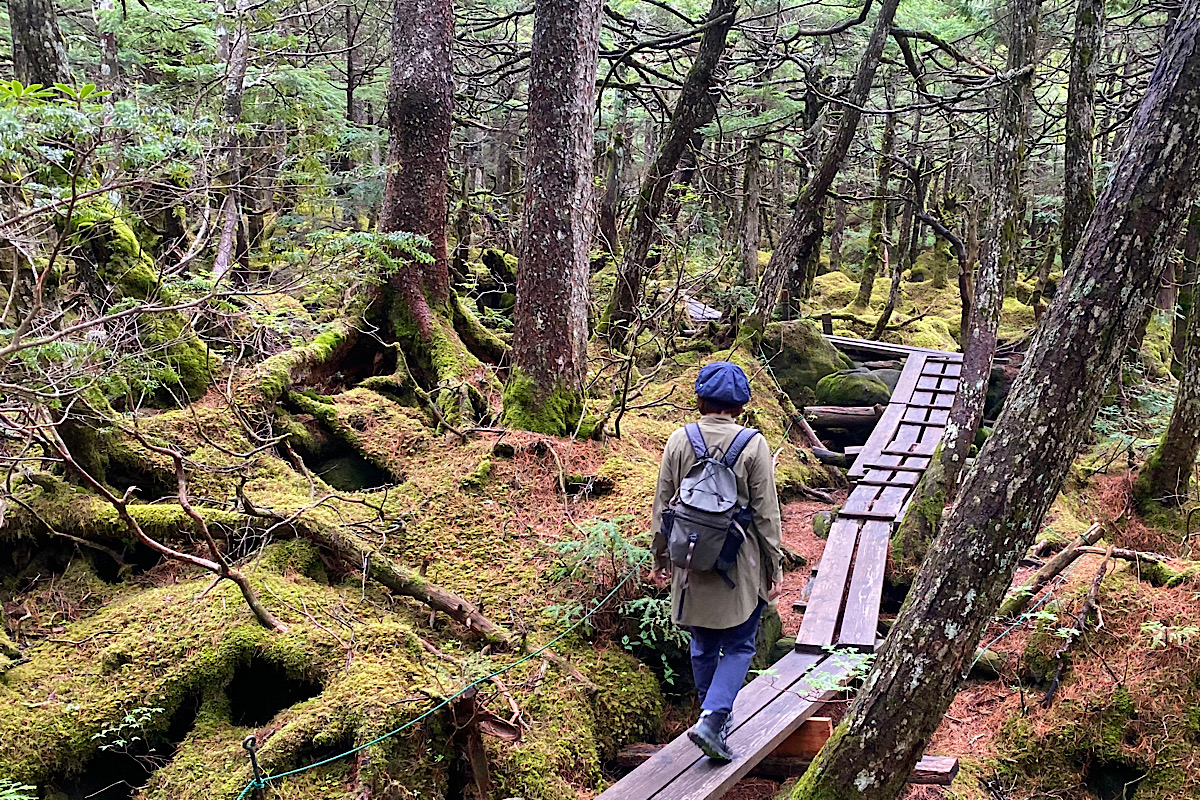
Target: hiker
x,y
717,540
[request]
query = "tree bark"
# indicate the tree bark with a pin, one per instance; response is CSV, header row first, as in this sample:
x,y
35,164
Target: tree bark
x,y
420,108
1185,296
803,231
1011,485
1166,476
837,232
1079,188
232,231
749,234
1001,248
39,52
544,392
696,108
875,236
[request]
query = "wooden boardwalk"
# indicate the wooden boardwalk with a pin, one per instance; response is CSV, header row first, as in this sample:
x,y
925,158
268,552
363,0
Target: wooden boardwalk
x,y
842,612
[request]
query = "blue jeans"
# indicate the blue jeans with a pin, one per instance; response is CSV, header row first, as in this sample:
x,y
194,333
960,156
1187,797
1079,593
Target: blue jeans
x,y
720,660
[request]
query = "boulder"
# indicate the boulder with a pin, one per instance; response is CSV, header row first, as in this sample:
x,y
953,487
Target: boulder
x,y
890,377
822,523
852,389
800,357
770,630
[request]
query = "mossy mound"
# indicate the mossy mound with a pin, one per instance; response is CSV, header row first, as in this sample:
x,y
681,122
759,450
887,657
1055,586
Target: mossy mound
x,y
173,362
1112,733
852,389
800,357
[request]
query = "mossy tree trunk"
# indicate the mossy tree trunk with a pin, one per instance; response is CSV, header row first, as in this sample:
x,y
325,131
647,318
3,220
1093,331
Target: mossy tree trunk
x,y
1079,187
1166,476
1185,297
1001,247
697,106
837,232
1113,276
550,320
420,109
39,53
803,231
874,257
749,233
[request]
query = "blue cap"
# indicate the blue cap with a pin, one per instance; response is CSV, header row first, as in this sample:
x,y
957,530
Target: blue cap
x,y
724,384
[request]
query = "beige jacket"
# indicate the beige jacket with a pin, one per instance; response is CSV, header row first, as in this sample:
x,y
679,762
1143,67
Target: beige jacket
x,y
708,601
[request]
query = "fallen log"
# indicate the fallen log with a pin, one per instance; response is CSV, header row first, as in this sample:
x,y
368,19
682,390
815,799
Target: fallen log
x,y
931,770
832,458
1016,601
843,416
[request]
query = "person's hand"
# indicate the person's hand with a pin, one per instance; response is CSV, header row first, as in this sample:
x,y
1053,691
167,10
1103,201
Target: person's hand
x,y
660,577
774,590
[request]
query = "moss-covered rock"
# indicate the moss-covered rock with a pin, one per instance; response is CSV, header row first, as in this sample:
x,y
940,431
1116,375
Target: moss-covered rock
x,y
800,357
174,362
852,389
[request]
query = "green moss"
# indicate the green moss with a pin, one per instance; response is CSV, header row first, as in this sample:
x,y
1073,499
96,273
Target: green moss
x,y
175,360
478,476
273,377
852,389
800,357
529,406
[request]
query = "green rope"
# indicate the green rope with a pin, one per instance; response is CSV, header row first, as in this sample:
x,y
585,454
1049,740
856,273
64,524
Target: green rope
x,y
256,784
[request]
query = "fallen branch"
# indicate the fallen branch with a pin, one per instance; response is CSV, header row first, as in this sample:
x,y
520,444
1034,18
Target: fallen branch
x,y
1015,603
1081,621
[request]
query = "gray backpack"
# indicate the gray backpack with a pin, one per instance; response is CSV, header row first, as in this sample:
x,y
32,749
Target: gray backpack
x,y
703,525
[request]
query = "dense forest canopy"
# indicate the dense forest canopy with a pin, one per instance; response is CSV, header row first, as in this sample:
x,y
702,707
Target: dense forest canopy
x,y
341,339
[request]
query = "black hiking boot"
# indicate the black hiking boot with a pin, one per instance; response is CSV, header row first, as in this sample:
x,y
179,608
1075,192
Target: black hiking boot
x,y
709,735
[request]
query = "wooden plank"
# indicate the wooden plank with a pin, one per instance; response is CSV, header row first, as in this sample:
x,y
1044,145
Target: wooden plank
x,y
680,754
935,770
861,620
930,770
807,740
909,377
926,448
884,430
937,416
827,324
889,477
887,348
825,602
926,399
937,383
752,743
860,500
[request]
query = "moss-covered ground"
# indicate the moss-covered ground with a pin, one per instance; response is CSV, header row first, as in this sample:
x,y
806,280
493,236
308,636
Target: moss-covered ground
x,y
155,643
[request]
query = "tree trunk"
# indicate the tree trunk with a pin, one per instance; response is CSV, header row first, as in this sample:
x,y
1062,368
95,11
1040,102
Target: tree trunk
x,y
110,66
420,108
837,232
612,196
696,108
1166,476
39,52
1001,248
875,239
1185,297
1079,189
1050,411
803,231
749,238
905,252
545,391
230,217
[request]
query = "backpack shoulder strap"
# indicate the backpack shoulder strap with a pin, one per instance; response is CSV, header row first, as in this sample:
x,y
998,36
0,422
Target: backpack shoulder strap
x,y
697,440
743,438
